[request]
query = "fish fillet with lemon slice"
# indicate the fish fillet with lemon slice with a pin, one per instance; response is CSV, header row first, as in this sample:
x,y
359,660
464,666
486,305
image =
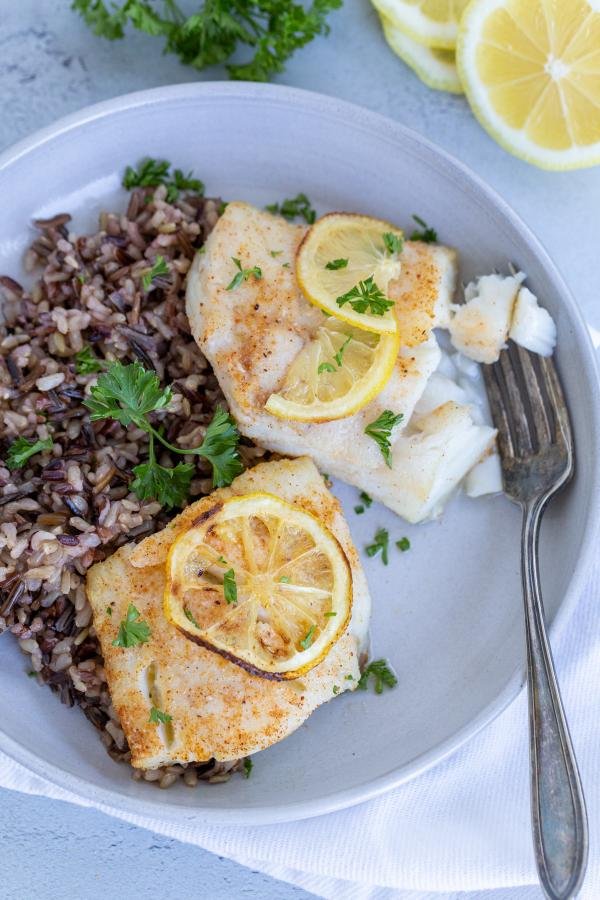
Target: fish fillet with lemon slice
x,y
257,610
255,335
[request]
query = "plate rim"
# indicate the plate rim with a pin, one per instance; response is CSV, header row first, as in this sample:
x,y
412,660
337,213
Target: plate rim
x,y
117,803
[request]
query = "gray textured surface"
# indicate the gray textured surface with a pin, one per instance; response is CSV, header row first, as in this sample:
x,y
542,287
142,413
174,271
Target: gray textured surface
x,y
51,65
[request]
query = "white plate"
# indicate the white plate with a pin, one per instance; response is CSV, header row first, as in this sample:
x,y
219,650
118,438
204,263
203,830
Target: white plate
x,y
447,614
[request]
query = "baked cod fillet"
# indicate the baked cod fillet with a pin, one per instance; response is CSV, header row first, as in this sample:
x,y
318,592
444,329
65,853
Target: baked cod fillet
x,y
217,708
252,334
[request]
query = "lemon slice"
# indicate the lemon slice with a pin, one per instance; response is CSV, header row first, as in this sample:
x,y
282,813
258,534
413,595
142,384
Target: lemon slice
x,y
531,71
430,22
435,66
261,582
342,253
335,374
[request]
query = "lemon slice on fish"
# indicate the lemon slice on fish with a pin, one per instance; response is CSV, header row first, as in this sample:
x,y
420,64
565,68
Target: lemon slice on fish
x,y
261,582
345,264
337,373
531,72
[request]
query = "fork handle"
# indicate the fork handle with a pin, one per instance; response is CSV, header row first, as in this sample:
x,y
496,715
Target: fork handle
x,y
559,820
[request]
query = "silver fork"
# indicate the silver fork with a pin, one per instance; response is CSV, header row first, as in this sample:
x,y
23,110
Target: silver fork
x,y
536,449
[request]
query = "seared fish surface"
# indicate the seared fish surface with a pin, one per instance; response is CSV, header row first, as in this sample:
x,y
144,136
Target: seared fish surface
x,y
217,708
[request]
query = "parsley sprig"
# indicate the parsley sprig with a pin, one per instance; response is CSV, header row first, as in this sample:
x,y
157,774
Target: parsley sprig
x,y
366,296
381,431
156,716
381,673
129,394
230,586
335,264
338,357
273,29
381,545
292,208
426,234
21,450
243,274
153,172
132,630
393,243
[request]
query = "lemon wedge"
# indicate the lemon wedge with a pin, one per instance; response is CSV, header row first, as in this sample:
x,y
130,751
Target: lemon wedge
x,y
344,265
261,582
430,22
531,72
335,374
436,67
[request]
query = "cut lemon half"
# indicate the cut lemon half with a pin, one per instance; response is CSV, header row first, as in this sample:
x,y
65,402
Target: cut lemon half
x,y
337,373
531,71
436,67
430,22
344,254
261,582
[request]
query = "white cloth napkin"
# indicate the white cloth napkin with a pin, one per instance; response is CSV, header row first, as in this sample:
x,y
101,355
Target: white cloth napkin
x,y
462,826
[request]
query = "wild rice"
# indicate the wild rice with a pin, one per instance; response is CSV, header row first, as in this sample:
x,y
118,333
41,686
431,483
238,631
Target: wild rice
x,y
71,506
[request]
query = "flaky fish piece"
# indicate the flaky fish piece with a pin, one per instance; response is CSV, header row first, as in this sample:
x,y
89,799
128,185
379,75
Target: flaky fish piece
x,y
252,334
217,708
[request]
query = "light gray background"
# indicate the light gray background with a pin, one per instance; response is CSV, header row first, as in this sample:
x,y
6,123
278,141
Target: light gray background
x,y
50,65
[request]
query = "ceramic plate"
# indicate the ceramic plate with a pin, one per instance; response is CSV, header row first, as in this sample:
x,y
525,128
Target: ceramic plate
x,y
448,613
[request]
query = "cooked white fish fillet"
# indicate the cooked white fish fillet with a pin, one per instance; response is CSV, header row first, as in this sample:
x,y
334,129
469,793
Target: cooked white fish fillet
x,y
218,709
252,334
532,326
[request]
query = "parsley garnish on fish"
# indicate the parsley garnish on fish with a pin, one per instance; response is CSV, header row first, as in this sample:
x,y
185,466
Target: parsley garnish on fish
x,y
291,209
334,264
216,30
248,766
160,267
403,544
229,586
21,450
285,579
393,243
153,172
87,363
242,274
336,689
325,367
381,430
339,355
366,503
330,614
380,545
366,296
157,716
132,630
190,616
427,234
129,393
381,673
308,638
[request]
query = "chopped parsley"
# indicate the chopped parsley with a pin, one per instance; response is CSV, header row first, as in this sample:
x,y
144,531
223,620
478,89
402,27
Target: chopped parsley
x,y
380,545
157,716
285,579
349,677
325,367
334,264
32,674
248,766
109,611
229,586
366,296
87,363
21,450
222,559
330,614
129,393
366,503
403,544
340,353
308,638
275,253
160,267
426,234
393,243
242,274
336,689
132,630
381,431
190,617
153,172
381,673
292,209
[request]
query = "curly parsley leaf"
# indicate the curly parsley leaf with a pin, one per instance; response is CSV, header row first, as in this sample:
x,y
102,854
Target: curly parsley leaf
x,y
308,638
169,486
393,243
154,172
156,716
229,586
132,630
380,545
273,29
127,394
381,673
243,274
87,363
160,267
219,447
21,450
325,367
366,296
335,264
426,234
293,208
381,430
403,544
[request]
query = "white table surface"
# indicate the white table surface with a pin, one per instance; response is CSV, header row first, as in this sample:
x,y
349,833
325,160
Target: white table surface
x,y
50,65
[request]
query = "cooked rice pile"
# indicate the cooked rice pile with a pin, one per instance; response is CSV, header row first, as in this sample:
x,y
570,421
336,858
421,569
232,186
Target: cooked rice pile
x,y
71,507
